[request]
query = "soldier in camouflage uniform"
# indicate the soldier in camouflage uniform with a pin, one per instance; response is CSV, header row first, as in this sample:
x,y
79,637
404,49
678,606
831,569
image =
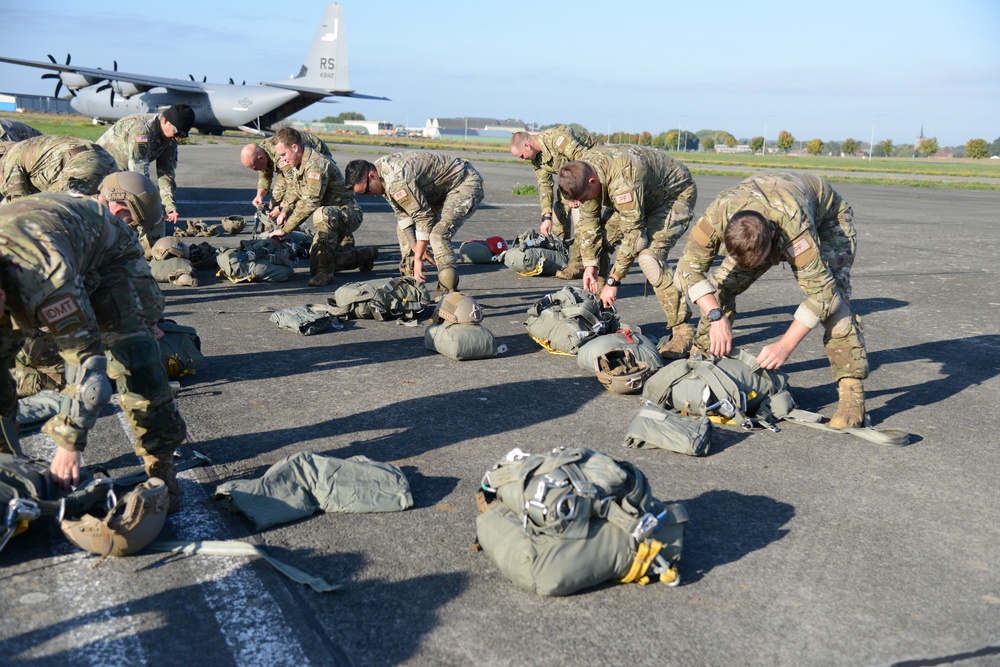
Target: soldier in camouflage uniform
x,y
50,163
140,139
793,218
548,151
320,193
432,195
651,199
68,265
12,130
262,158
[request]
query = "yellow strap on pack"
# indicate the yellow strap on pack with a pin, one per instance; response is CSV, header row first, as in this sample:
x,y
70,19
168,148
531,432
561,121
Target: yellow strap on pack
x,y
644,556
537,271
544,342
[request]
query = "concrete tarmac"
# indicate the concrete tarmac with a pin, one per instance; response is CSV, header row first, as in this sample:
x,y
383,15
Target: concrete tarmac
x,y
803,548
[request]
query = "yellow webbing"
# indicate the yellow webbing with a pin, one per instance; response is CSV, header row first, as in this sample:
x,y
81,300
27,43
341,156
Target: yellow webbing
x,y
544,342
644,555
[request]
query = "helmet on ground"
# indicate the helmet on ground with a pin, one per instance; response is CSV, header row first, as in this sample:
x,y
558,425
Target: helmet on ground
x,y
234,224
496,244
138,194
621,372
458,308
168,247
135,521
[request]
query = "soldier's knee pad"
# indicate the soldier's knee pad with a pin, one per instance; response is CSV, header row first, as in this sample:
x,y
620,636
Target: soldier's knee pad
x,y
448,277
641,243
651,267
91,391
144,371
840,322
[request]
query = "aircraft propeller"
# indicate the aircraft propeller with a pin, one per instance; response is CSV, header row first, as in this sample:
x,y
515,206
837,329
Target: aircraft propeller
x,y
58,77
107,85
204,79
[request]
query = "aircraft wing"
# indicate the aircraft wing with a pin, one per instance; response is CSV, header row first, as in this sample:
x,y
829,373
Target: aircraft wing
x,y
113,75
320,92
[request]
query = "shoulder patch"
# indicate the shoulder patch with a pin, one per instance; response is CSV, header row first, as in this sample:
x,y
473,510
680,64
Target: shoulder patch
x,y
798,247
801,251
560,139
313,176
61,312
401,196
624,198
142,139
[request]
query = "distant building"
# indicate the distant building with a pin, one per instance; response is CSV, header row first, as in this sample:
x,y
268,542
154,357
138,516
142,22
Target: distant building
x,y
374,127
738,148
472,127
17,102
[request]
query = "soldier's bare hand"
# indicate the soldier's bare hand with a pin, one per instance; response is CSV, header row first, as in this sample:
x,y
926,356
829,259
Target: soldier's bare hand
x,y
721,338
545,227
65,468
277,233
257,201
274,213
590,279
418,271
172,216
773,356
608,296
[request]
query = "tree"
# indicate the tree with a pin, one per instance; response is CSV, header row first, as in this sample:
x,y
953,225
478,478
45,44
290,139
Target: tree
x,y
707,144
832,148
977,149
850,146
645,139
731,141
929,146
995,147
785,140
757,144
343,117
662,140
885,146
814,147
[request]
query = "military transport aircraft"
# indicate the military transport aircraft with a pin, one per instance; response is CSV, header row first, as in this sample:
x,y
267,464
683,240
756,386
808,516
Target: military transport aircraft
x,y
107,95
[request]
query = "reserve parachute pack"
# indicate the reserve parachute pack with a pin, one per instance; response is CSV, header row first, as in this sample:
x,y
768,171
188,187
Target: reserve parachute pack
x,y
460,341
180,349
476,252
536,254
626,338
308,320
400,298
262,260
560,522
564,321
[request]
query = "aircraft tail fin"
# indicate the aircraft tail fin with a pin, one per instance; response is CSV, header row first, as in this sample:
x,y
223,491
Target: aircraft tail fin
x,y
325,67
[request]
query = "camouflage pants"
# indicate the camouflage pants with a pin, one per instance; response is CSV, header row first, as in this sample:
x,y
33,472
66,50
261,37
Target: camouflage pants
x,y
658,232
564,221
460,203
333,225
843,337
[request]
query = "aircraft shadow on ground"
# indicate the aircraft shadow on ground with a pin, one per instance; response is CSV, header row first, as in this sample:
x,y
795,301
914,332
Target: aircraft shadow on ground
x,y
725,526
497,410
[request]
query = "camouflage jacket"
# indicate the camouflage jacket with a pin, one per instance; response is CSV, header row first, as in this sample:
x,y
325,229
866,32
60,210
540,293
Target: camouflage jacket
x,y
799,207
317,181
634,181
417,183
559,145
34,164
11,130
136,141
54,251
265,178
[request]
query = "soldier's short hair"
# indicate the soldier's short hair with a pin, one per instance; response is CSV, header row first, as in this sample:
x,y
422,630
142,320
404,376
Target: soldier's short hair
x,y
357,171
748,239
573,179
519,138
288,136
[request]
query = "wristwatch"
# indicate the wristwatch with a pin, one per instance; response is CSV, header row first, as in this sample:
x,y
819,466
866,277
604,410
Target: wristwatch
x,y
613,282
715,315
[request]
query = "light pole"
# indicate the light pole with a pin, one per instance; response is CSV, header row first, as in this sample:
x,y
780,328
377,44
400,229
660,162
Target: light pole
x,y
679,132
871,143
763,150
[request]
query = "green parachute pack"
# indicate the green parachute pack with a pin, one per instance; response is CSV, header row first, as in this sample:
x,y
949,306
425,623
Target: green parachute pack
x,y
400,298
564,321
536,254
560,522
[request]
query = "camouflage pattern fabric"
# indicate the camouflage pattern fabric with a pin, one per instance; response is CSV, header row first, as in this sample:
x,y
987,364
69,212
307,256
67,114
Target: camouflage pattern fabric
x,y
433,193
272,178
135,142
12,130
68,265
814,234
51,163
559,145
651,199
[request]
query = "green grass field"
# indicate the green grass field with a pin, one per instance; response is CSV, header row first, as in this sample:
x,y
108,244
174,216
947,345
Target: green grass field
x,y
964,173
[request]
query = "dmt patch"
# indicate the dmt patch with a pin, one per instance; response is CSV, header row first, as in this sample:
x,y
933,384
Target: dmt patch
x,y
60,313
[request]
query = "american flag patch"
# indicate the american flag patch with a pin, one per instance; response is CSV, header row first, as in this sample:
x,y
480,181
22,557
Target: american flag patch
x,y
313,175
142,139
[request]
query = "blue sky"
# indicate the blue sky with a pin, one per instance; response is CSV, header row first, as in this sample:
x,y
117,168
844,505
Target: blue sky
x,y
818,70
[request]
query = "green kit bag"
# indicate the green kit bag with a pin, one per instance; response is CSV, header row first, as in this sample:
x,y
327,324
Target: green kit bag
x,y
564,321
573,518
307,320
174,270
623,339
242,266
536,254
180,349
396,298
460,341
652,426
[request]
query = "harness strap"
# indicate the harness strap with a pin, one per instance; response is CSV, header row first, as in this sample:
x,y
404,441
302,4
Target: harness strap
x,y
890,437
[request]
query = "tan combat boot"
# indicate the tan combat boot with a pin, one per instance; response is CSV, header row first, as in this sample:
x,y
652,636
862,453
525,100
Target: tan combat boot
x,y
571,272
851,409
368,263
163,467
681,338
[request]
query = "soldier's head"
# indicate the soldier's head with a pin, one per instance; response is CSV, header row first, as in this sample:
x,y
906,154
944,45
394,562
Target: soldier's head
x,y
578,183
289,145
748,239
524,146
177,121
362,177
254,157
133,198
